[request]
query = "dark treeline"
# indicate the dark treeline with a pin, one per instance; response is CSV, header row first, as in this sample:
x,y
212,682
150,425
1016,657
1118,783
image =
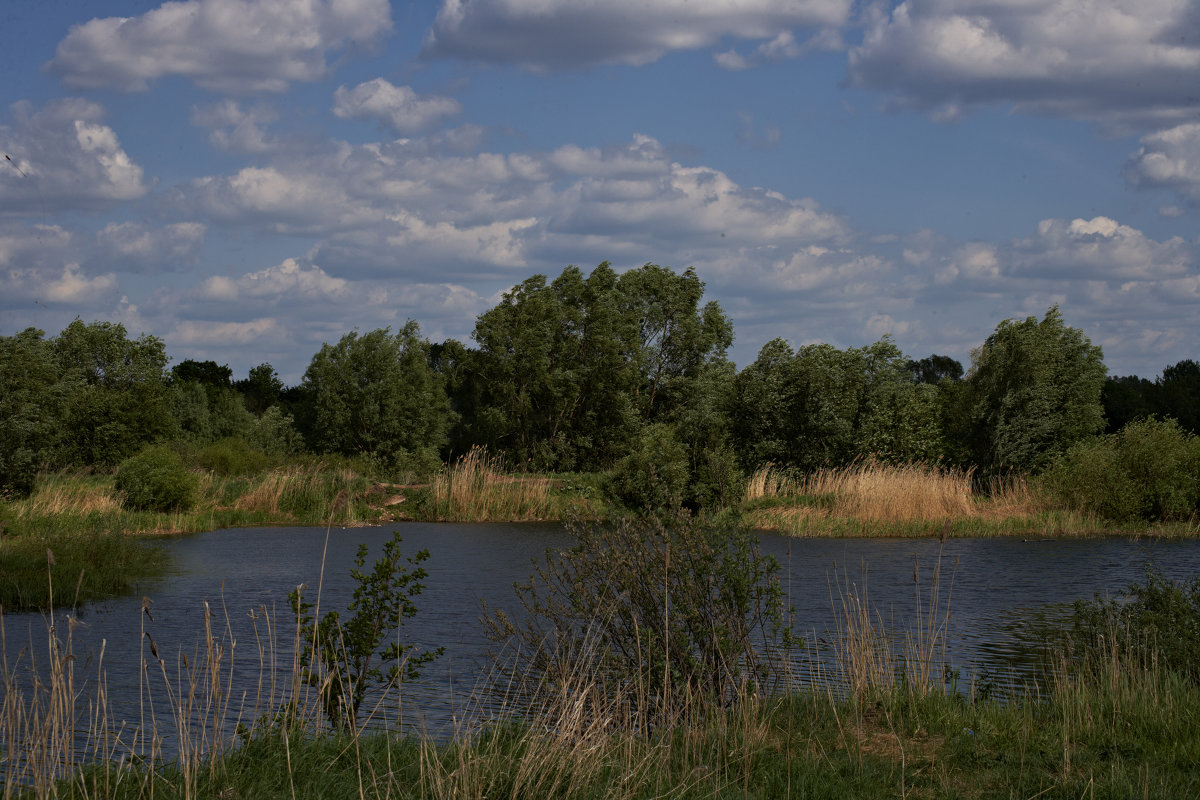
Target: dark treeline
x,y
625,373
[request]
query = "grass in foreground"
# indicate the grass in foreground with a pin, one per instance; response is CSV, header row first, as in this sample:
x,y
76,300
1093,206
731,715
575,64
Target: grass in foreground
x,y
1112,729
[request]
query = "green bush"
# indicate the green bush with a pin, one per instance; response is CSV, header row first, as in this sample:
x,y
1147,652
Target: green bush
x,y
155,480
1149,470
1153,624
650,615
232,456
653,478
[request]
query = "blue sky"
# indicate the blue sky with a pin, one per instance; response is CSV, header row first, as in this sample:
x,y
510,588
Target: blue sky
x,y
247,179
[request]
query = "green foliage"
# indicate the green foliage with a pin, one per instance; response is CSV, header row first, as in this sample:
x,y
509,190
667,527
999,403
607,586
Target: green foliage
x,y
657,616
261,389
567,371
377,395
155,480
275,434
347,659
93,561
30,403
824,407
1155,624
1150,470
653,478
115,398
1033,390
231,456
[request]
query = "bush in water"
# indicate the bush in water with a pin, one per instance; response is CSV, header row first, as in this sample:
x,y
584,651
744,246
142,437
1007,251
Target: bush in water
x,y
654,616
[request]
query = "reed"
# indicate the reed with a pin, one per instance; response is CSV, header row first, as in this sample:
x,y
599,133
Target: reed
x,y
474,489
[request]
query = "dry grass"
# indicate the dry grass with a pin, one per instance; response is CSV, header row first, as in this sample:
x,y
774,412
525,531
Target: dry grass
x,y
874,492
474,489
873,656
69,493
870,497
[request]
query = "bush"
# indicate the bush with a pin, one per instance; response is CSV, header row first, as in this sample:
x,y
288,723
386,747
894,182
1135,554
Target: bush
x,y
653,478
654,617
1149,470
346,659
232,456
155,480
1155,624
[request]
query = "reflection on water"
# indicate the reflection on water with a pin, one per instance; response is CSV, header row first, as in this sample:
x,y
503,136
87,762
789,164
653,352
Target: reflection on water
x,y
996,591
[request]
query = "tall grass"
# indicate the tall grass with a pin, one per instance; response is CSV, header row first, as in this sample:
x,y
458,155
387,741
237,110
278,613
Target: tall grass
x,y
1121,728
871,498
475,489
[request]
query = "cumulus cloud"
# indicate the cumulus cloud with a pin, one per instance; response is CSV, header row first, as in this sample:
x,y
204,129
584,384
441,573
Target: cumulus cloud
x,y
1169,158
567,34
133,247
783,47
1119,62
64,157
286,282
397,108
1100,248
236,129
227,46
381,205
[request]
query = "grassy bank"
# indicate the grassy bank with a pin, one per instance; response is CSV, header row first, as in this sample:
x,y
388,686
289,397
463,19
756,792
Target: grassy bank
x,y
872,499
97,546
1111,726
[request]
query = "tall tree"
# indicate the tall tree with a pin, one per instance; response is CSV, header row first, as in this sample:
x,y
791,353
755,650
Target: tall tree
x,y
30,408
821,407
1032,391
116,396
377,395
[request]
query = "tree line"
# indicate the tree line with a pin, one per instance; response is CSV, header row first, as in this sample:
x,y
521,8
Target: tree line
x,y
626,373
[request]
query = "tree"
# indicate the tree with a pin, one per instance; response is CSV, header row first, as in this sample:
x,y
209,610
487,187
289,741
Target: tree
x,y
261,389
935,369
555,380
824,407
377,395
568,371
116,399
30,408
1032,391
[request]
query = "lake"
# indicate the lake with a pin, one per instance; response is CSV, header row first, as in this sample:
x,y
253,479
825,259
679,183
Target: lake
x,y
995,589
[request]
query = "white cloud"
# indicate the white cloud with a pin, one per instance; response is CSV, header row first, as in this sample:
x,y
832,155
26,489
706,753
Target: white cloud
x,y
398,108
228,46
65,158
783,47
1169,158
1100,248
236,129
288,281
1119,62
132,247
568,34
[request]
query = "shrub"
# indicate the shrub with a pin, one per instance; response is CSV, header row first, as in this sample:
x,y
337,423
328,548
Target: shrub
x,y
1149,470
1156,623
155,480
654,476
232,456
651,616
346,659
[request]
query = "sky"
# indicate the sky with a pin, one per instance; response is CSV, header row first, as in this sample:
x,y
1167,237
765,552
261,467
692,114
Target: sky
x,y
248,179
